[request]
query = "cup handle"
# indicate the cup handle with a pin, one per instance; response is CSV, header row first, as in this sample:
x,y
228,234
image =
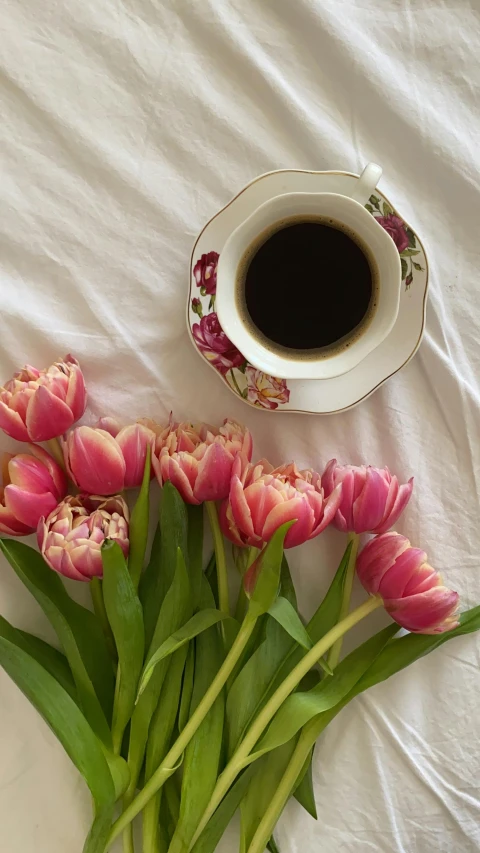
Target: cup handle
x,y
366,183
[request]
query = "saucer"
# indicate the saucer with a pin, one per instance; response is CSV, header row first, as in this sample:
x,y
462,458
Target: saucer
x,y
308,396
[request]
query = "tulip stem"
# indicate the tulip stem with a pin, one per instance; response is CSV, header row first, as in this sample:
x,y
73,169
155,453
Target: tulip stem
x,y
55,450
241,757
174,755
96,593
221,560
334,653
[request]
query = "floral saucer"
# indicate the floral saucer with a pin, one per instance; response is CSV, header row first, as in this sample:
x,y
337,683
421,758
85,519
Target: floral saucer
x,y
310,396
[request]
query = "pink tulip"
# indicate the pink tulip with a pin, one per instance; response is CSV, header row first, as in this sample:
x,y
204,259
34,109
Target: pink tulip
x,y
262,498
198,459
37,405
105,459
372,500
33,484
71,538
412,591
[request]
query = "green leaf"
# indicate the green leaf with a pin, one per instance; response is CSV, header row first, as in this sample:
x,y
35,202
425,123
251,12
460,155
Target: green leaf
x,y
159,738
404,268
216,826
51,659
387,210
304,793
174,612
408,253
202,755
195,549
301,707
262,787
201,621
271,846
187,688
148,579
78,631
287,589
211,576
125,615
417,266
369,208
65,719
268,578
402,651
411,237
173,525
286,616
375,201
138,528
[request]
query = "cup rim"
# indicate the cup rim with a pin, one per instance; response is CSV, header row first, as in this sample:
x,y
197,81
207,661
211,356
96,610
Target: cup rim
x,y
256,353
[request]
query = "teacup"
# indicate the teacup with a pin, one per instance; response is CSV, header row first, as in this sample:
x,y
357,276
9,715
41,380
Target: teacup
x,y
350,214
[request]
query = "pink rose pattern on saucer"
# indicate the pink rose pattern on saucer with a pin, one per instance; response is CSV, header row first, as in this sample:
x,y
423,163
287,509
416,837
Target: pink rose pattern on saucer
x,y
401,234
261,390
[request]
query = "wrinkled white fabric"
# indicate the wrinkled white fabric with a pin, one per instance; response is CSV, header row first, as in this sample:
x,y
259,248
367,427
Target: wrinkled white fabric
x,y
126,124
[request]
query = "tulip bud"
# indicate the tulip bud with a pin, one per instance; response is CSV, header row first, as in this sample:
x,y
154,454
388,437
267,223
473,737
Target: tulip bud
x,y
198,460
106,460
37,405
412,591
71,537
372,499
262,498
33,484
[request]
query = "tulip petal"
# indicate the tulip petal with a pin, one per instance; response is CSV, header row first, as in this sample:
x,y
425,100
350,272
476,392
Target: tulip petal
x,y
345,521
394,582
214,474
109,425
57,474
11,525
431,612
241,511
377,557
76,398
261,500
328,482
369,507
12,424
228,526
402,498
47,415
96,461
295,509
28,473
133,442
171,470
28,507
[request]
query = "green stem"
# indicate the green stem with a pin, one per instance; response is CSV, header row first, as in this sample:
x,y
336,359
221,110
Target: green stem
x,y
240,758
282,792
96,593
223,602
167,767
334,653
55,450
127,840
242,600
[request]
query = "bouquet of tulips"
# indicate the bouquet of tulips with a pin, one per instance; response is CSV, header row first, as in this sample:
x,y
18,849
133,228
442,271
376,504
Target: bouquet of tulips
x,y
168,701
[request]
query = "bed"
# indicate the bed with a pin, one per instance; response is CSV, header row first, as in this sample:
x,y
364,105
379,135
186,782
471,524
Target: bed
x,y
126,124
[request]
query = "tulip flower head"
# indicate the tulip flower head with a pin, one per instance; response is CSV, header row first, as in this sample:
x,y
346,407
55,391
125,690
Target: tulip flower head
x,y
412,591
33,484
37,405
198,460
262,498
71,537
372,499
105,459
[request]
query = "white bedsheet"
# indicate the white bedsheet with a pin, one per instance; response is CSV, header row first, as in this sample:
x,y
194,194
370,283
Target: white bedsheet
x,y
125,125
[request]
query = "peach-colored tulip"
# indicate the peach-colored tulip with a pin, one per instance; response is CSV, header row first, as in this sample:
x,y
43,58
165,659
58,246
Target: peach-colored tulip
x,y
37,405
413,592
198,459
71,537
262,498
105,459
33,484
372,499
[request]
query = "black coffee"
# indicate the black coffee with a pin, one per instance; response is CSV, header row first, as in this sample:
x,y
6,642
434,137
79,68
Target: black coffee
x,y
308,285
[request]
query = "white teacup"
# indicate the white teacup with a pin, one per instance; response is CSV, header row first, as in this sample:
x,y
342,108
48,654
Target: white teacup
x,y
350,212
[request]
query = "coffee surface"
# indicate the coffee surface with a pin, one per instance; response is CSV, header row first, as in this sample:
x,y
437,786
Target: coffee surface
x,y
309,285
